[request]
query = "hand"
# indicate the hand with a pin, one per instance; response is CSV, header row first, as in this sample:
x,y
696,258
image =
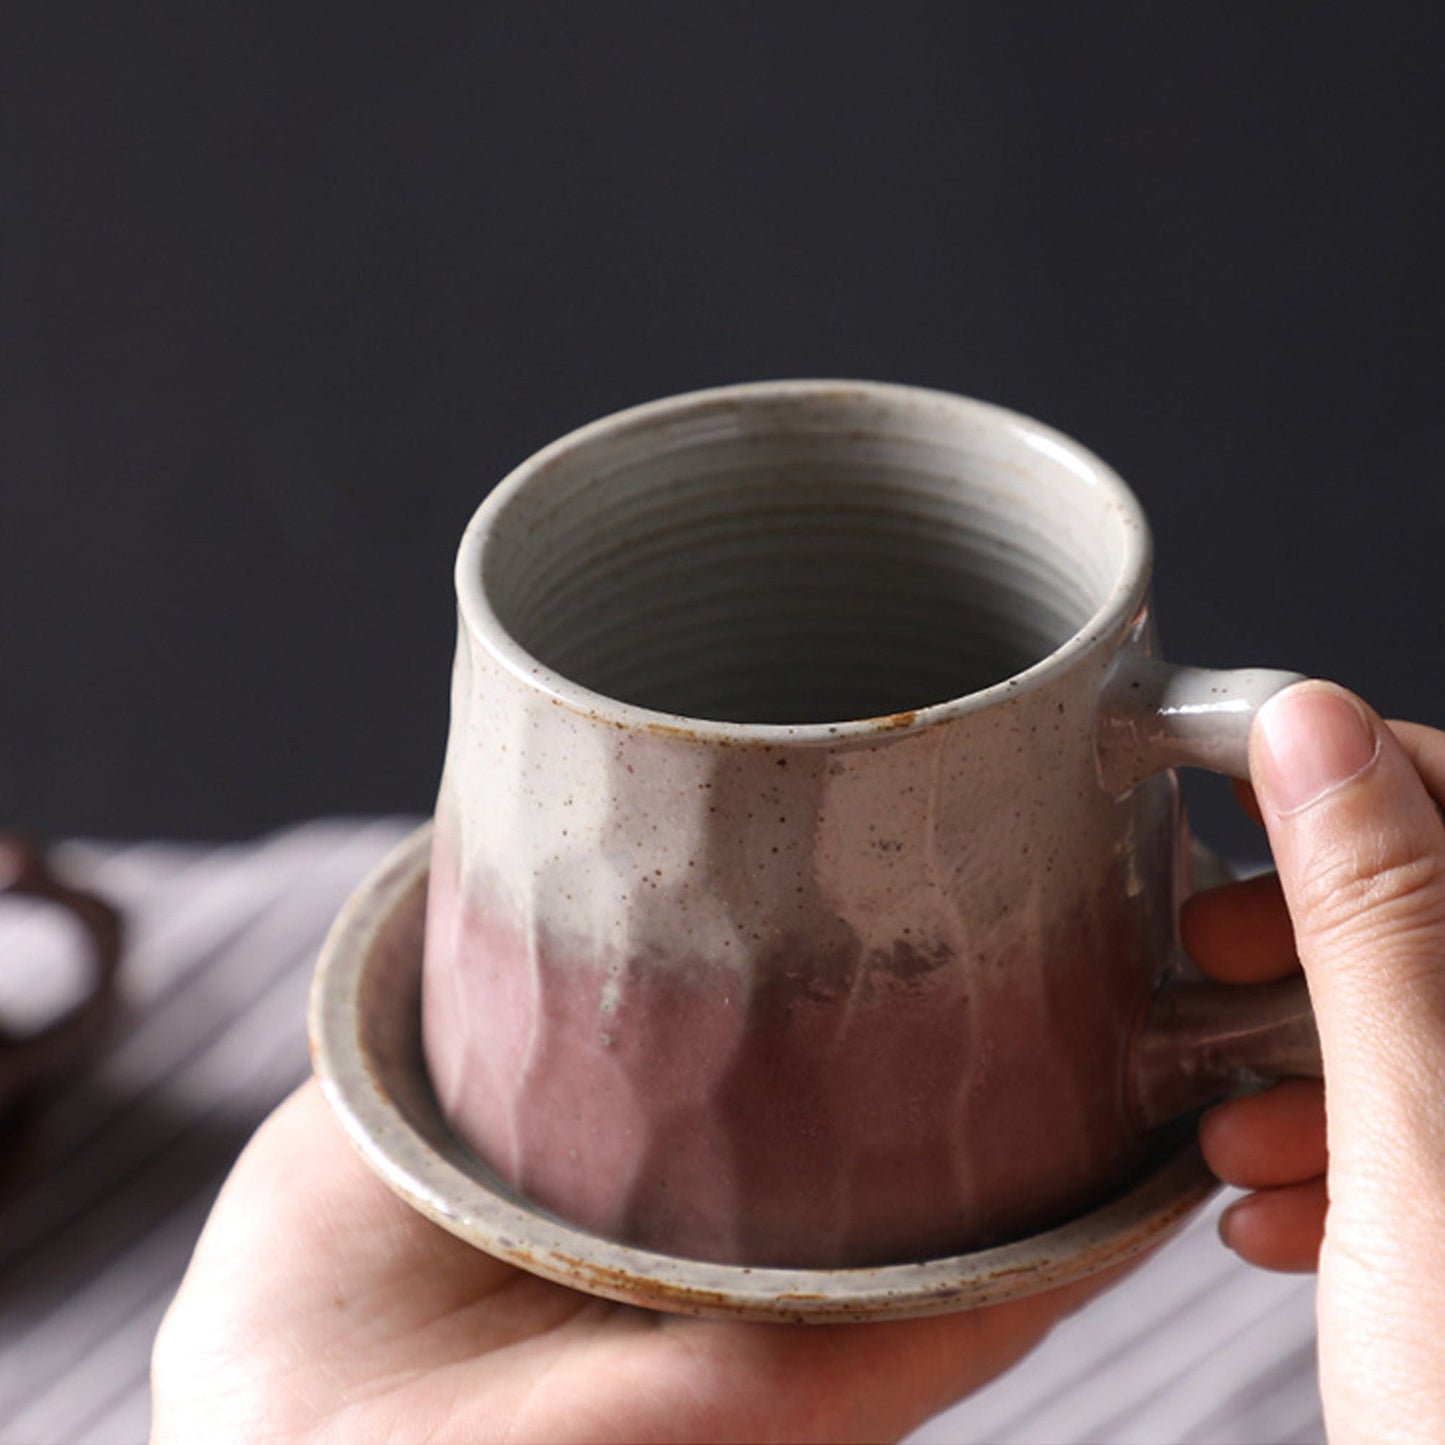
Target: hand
x,y
318,1307
1351,1174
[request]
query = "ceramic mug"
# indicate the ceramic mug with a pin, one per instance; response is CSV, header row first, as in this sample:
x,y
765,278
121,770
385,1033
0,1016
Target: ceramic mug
x,y
807,853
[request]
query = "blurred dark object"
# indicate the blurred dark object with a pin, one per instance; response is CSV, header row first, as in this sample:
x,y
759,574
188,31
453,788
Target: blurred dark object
x,y
35,1060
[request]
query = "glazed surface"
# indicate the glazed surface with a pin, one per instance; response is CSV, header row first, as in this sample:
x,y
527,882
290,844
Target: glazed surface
x,y
812,1007
711,973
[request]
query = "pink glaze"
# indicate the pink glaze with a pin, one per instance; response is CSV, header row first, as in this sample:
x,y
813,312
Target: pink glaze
x,y
848,1112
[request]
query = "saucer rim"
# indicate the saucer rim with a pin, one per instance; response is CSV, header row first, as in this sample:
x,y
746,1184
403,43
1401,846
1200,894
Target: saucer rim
x,y
358,1083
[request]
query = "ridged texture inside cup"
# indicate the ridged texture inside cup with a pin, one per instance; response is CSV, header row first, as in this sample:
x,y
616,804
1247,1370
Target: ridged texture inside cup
x,y
742,567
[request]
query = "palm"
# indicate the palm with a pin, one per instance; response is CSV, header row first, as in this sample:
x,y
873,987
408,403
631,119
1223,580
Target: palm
x,y
320,1307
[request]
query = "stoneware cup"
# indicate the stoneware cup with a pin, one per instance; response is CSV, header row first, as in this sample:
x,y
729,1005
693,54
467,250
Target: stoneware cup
x,y
808,853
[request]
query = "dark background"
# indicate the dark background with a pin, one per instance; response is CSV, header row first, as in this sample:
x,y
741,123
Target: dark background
x,y
285,292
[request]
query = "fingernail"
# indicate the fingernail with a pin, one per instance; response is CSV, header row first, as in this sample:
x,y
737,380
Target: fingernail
x,y
1226,1223
1229,1221
1314,738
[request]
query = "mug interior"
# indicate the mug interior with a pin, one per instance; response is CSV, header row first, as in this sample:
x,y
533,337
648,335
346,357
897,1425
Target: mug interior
x,y
801,553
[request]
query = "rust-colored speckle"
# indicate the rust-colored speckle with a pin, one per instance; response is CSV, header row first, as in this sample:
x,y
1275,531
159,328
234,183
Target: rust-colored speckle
x,y
887,722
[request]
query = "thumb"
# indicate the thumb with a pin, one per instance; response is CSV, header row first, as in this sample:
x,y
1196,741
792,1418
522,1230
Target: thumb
x,y
1360,850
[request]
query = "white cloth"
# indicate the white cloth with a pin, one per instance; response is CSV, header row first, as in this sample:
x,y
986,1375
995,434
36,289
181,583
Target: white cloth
x,y
101,1203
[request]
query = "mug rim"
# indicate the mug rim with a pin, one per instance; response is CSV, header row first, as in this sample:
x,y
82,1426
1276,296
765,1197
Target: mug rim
x,y
1110,618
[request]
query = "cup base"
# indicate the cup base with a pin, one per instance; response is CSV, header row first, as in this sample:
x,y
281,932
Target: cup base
x,y
366,1044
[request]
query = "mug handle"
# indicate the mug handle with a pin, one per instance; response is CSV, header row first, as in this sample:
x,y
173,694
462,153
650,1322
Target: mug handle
x,y
35,1059
1198,1042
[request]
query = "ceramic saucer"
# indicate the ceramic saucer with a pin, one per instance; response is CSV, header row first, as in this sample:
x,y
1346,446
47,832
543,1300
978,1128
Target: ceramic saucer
x,y
365,1040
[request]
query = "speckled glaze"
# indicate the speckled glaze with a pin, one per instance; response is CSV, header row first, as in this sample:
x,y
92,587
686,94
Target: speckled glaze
x,y
806,857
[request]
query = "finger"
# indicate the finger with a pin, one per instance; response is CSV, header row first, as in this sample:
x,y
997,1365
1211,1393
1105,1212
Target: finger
x,y
1425,748
1241,933
1278,1229
1267,1140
